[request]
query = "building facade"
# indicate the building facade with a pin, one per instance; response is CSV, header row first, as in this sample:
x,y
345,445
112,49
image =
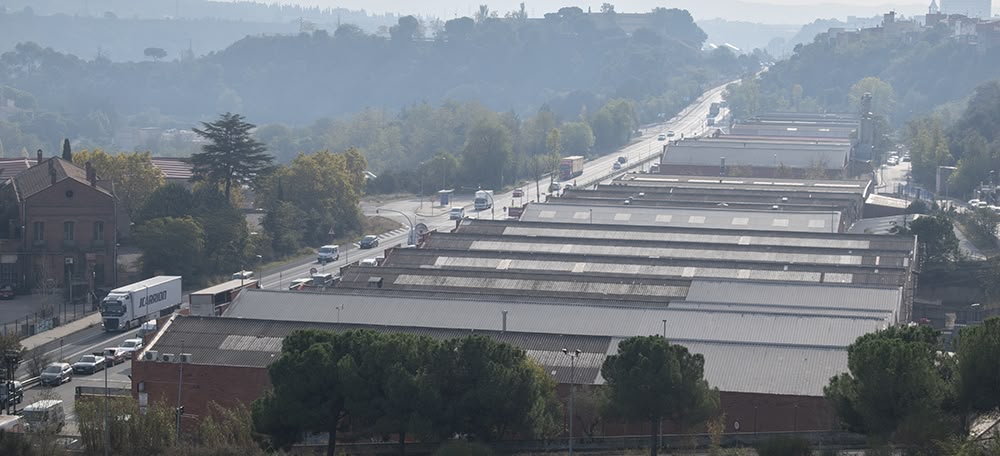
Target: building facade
x,y
57,229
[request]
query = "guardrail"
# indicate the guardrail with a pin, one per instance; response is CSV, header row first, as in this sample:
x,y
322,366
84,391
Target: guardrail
x,y
30,383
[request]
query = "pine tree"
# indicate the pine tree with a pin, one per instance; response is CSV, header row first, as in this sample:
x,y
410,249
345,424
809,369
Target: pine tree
x,y
232,155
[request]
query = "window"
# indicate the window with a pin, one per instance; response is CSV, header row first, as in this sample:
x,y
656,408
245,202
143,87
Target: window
x,y
98,231
69,231
39,228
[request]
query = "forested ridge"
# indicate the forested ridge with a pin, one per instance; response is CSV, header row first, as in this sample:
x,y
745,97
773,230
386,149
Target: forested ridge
x,y
512,64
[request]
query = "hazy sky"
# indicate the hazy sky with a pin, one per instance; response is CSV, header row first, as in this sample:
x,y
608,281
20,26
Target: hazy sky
x,y
447,9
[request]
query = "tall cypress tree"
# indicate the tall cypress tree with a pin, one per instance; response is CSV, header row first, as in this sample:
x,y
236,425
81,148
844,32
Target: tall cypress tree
x,y
67,152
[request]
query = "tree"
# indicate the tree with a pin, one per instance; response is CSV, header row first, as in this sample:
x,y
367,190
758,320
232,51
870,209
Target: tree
x,y
651,379
489,391
171,200
937,238
67,151
154,52
979,367
169,244
130,431
576,138
232,155
607,8
133,174
225,231
486,153
894,390
883,96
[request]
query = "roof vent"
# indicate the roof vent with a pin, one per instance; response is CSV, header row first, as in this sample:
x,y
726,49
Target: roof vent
x,y
374,282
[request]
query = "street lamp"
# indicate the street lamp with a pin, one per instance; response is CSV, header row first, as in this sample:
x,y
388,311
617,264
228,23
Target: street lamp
x,y
572,388
412,238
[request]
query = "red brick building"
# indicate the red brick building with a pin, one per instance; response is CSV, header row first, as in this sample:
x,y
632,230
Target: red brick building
x,y
57,227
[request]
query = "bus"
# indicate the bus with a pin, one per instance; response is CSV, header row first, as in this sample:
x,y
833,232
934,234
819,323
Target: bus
x,y
212,301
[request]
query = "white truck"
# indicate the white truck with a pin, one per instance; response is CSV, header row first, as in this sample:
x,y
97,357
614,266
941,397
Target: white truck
x,y
484,200
139,302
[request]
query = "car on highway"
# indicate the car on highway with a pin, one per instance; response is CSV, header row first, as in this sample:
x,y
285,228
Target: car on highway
x,y
46,415
662,137
369,242
300,283
243,275
456,213
327,253
616,166
131,346
892,160
622,159
554,187
7,291
518,193
114,355
89,364
56,374
670,134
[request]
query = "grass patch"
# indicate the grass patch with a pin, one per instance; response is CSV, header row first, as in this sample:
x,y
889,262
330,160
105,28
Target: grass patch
x,y
378,225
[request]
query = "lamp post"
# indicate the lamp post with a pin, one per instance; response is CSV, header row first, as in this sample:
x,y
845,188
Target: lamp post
x,y
180,383
572,388
412,238
107,430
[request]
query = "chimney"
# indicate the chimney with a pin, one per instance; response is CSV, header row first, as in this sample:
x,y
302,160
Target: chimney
x,y
91,174
52,171
39,162
504,320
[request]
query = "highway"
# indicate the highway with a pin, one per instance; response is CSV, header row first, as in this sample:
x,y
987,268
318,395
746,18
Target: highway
x,y
690,122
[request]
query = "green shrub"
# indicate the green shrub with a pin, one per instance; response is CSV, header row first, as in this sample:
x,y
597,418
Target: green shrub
x,y
463,448
784,446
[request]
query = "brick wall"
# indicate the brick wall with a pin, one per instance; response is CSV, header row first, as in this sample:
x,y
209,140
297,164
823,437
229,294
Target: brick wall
x,y
225,385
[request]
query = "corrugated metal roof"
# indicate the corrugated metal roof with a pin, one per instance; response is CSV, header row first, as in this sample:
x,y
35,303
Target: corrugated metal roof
x,y
734,367
820,221
569,287
708,237
526,316
808,295
257,343
645,251
707,152
852,187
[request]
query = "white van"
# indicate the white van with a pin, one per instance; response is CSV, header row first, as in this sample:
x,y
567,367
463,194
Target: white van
x,y
45,416
327,254
457,213
368,262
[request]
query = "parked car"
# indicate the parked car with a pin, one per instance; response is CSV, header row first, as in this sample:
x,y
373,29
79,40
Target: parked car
x,y
6,291
12,397
368,242
131,346
89,364
56,374
456,213
616,166
554,187
114,355
518,193
892,160
670,134
906,157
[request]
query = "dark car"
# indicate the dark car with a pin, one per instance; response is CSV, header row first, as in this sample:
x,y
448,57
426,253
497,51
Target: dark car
x,y
6,291
89,364
518,193
368,242
56,374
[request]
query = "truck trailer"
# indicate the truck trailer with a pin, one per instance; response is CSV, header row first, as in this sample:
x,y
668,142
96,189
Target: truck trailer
x,y
131,305
484,200
570,167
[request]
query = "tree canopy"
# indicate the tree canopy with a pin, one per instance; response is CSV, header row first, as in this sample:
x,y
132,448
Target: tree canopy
x,y
232,155
651,379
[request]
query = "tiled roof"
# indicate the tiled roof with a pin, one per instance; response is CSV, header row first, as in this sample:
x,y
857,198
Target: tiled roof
x,y
174,168
10,167
37,178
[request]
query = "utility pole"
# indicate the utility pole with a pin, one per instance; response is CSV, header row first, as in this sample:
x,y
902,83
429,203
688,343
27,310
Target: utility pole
x,y
572,389
180,383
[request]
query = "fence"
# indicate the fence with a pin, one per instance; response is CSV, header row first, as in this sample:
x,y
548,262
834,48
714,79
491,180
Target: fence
x,y
46,319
